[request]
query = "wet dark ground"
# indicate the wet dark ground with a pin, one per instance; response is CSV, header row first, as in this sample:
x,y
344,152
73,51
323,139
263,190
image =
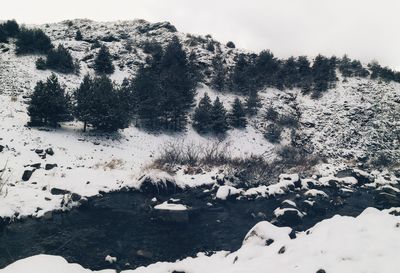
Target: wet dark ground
x,y
125,226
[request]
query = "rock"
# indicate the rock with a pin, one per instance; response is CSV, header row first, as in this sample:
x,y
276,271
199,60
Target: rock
x,y
49,151
158,183
176,213
264,234
48,215
144,254
56,191
39,151
1,148
321,271
75,197
110,259
36,165
282,250
50,166
387,200
27,175
225,192
288,217
361,176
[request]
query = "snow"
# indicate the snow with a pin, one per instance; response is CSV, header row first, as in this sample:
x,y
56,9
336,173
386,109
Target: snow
x,y
279,211
368,243
110,259
315,192
89,164
167,206
225,191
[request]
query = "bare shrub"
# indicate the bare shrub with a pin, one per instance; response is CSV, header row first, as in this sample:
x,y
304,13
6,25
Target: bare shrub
x,y
273,133
288,121
271,114
3,180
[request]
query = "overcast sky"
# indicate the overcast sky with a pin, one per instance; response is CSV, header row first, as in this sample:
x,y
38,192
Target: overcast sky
x,y
365,29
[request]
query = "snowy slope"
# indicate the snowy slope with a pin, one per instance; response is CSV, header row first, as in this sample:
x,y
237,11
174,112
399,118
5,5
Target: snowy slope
x,y
356,120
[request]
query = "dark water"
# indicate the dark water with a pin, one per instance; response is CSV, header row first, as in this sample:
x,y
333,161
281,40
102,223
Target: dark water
x,y
121,224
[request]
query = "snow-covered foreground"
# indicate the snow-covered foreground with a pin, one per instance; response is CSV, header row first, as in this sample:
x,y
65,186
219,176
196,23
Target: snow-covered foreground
x,y
368,243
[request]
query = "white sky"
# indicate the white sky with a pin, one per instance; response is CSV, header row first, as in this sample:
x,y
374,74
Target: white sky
x,y
365,29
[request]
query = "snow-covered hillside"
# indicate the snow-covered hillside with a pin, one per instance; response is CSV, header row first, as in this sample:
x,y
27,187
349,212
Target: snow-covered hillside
x,y
351,123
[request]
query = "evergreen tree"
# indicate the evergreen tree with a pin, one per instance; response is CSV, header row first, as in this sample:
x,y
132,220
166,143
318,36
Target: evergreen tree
x,y
202,115
83,97
252,103
324,74
237,116
60,60
218,79
41,64
147,91
78,35
178,87
11,27
241,78
290,73
266,67
219,124
345,66
8,29
3,35
102,62
98,103
230,44
49,104
32,41
305,74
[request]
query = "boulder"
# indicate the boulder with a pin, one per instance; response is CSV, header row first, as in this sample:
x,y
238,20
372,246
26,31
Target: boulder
x,y
1,148
36,165
288,217
158,183
75,197
56,191
176,213
50,166
49,151
27,175
361,176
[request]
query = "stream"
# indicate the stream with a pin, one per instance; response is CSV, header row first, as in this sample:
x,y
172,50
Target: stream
x,y
124,225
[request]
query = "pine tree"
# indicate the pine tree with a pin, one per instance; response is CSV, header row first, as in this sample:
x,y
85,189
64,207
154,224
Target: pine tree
x,y
78,35
83,97
305,74
241,79
219,124
60,60
266,67
252,103
3,35
237,116
147,91
202,115
178,87
49,104
32,41
218,79
103,63
101,105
